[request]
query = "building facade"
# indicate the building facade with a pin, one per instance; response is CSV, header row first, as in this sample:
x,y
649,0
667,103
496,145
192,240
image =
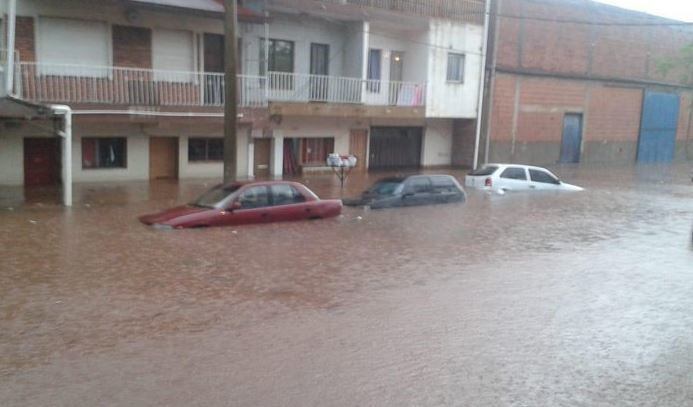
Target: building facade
x,y
395,85
578,81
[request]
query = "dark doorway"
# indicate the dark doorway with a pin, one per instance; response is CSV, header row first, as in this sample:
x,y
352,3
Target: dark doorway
x,y
572,138
41,161
319,69
214,68
261,157
660,117
292,148
395,147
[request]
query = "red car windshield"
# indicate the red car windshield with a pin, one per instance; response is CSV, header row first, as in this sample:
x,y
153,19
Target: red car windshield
x,y
215,195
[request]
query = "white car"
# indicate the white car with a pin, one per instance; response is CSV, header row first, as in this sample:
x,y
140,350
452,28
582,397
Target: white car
x,y
513,177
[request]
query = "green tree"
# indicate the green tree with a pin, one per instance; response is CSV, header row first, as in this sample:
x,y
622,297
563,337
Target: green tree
x,y
683,62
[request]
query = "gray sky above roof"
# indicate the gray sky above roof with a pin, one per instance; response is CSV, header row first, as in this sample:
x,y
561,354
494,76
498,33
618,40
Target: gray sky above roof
x,y
675,9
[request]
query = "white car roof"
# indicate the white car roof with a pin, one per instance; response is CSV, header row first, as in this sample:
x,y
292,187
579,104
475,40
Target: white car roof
x,y
503,165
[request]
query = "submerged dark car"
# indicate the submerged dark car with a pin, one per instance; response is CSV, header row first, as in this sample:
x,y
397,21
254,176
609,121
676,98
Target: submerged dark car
x,y
410,191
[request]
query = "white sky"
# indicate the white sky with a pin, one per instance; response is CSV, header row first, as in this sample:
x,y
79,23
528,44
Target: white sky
x,y
676,9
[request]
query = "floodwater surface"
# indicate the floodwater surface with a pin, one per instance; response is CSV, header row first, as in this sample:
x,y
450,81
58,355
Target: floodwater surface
x,y
545,299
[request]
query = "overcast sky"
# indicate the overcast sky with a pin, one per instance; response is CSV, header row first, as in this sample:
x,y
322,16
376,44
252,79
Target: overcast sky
x,y
676,9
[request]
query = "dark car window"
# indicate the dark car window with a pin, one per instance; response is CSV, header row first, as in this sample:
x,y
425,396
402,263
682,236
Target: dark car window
x,y
215,195
443,183
488,170
514,173
254,197
386,187
284,194
419,185
543,177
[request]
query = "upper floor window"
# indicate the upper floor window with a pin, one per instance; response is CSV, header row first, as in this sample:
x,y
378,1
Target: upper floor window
x,y
173,55
104,152
57,50
455,71
280,54
374,61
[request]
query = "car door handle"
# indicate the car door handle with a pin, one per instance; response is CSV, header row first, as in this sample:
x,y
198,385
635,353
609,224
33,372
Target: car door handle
x,y
308,210
265,215
532,187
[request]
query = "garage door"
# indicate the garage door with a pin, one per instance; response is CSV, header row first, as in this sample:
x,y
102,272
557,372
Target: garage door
x,y
395,147
658,128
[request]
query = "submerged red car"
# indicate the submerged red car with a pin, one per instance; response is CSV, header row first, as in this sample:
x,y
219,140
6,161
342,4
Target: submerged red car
x,y
244,203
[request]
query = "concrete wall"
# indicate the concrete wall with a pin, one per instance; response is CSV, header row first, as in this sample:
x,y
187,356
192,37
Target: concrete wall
x,y
304,31
449,99
437,143
11,159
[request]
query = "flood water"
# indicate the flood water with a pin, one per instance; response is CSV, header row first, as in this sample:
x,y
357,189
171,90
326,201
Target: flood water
x,y
571,299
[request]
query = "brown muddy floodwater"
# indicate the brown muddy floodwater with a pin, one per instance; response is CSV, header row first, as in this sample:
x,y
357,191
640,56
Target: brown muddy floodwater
x,y
574,299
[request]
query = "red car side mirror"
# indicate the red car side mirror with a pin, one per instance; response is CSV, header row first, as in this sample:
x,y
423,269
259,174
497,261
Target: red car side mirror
x,y
235,205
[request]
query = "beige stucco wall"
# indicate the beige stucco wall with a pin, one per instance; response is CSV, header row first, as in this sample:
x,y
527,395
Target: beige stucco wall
x,y
437,143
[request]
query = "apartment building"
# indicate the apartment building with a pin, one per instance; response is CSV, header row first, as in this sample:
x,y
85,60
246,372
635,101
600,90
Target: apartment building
x,y
395,83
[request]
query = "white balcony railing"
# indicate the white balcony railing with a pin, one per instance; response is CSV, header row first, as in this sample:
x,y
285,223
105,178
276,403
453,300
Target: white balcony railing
x,y
292,87
467,10
148,87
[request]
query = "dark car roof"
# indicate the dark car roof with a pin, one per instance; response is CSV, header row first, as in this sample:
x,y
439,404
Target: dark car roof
x,y
245,183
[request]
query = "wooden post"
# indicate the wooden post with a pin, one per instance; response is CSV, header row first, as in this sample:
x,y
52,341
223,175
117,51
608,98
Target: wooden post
x,y
230,100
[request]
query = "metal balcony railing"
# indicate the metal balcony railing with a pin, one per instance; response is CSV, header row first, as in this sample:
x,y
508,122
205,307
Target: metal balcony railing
x,y
147,87
467,10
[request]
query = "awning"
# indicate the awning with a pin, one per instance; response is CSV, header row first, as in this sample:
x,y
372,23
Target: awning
x,y
12,108
244,14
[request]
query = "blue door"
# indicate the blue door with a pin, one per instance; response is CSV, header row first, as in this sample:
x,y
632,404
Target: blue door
x,y
660,116
572,138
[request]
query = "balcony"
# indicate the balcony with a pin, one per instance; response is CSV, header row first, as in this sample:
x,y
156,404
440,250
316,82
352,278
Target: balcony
x,y
78,84
466,10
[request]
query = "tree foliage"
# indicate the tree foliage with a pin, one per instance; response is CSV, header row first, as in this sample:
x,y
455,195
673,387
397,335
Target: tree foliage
x,y
682,62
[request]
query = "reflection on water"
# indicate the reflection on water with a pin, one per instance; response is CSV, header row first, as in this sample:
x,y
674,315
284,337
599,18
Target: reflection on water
x,y
522,299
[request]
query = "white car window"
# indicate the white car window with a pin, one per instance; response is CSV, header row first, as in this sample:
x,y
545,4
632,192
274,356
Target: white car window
x,y
515,173
543,177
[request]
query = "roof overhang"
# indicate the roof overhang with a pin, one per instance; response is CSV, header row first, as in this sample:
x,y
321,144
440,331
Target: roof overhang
x,y
213,8
12,108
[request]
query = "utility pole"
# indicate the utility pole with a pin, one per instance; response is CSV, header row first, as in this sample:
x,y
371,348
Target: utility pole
x,y
230,114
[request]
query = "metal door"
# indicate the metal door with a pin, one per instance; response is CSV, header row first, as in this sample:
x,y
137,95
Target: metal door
x,y
41,162
395,147
572,138
319,69
660,114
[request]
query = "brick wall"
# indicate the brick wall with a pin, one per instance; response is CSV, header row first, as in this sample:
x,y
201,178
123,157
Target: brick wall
x,y
613,114
623,52
24,39
503,108
610,113
132,47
